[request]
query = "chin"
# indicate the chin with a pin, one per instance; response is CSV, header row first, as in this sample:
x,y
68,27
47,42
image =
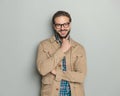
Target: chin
x,y
63,36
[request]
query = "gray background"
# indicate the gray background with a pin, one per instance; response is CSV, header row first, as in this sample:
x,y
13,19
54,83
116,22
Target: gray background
x,y
24,23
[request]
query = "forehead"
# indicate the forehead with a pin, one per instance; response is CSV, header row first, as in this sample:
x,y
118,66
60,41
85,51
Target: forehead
x,y
61,19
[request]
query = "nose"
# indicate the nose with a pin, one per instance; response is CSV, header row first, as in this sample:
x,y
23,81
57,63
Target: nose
x,y
62,27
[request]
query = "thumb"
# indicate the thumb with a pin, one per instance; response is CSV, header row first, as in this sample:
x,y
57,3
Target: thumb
x,y
64,39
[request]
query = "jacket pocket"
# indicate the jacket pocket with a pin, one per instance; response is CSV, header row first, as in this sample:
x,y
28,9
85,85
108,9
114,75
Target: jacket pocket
x,y
78,88
46,86
74,59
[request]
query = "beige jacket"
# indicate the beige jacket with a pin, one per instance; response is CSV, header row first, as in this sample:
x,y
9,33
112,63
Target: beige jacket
x,y
50,56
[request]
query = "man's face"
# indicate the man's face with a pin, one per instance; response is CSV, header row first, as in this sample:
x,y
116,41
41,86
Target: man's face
x,y
62,26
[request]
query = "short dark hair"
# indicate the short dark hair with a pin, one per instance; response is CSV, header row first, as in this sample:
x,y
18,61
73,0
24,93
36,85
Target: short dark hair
x,y
61,13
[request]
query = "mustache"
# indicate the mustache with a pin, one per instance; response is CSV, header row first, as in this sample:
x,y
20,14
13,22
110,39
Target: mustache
x,y
63,30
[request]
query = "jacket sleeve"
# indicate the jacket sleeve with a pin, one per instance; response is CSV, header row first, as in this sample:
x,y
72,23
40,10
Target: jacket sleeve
x,y
45,63
78,75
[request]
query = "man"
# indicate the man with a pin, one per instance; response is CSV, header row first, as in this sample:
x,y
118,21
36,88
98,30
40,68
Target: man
x,y
61,61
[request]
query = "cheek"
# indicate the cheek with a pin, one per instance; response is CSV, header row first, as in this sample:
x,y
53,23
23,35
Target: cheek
x,y
57,30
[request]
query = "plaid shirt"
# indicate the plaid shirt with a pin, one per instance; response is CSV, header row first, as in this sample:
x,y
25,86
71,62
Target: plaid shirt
x,y
64,86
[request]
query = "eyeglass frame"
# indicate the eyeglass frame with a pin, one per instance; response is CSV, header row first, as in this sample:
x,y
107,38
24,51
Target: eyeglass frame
x,y
60,25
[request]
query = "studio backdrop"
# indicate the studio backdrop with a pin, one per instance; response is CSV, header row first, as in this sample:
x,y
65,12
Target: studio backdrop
x,y
24,23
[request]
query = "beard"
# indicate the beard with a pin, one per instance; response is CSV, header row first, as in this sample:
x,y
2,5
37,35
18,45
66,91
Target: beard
x,y
62,37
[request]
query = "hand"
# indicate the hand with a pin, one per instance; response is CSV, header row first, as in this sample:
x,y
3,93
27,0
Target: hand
x,y
53,72
65,45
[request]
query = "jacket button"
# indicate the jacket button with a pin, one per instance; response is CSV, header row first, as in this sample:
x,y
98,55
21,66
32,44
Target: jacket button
x,y
57,89
59,65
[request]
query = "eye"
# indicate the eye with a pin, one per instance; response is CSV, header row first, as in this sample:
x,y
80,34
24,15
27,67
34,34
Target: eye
x,y
66,24
57,25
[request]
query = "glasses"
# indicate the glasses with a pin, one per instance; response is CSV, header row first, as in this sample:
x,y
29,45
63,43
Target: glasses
x,y
65,25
